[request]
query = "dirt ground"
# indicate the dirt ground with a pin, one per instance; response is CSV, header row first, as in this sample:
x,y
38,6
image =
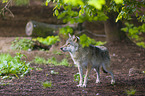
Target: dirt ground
x,y
124,56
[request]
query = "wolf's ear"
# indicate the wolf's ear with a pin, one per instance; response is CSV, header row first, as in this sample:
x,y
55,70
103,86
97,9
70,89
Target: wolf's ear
x,y
77,39
69,35
73,37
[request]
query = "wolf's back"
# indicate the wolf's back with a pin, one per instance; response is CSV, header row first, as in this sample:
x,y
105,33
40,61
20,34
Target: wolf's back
x,y
100,51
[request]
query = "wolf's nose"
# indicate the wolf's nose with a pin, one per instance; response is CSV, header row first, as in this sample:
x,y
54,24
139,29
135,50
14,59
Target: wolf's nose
x,y
61,48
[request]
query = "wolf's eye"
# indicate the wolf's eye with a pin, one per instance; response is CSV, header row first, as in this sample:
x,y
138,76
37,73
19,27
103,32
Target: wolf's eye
x,y
68,43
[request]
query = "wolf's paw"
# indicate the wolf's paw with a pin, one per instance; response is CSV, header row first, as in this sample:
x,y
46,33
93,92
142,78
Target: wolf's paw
x,y
80,85
97,81
84,85
112,82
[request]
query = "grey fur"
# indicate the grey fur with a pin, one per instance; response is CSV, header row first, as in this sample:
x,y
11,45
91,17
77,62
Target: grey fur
x,y
88,57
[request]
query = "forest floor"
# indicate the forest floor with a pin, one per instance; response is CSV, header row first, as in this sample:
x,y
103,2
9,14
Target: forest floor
x,y
124,56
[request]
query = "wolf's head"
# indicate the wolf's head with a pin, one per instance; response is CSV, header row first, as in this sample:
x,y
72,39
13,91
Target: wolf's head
x,y
71,44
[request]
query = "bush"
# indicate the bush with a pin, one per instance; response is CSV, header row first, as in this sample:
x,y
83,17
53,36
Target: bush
x,y
22,44
50,40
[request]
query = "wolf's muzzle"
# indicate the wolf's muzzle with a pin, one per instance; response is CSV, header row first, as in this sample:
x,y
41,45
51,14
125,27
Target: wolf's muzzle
x,y
61,48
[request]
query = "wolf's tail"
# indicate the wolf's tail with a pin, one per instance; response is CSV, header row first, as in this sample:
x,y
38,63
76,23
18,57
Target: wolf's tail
x,y
104,70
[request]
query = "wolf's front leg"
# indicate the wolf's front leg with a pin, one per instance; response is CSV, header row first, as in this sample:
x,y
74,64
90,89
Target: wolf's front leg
x,y
86,76
81,76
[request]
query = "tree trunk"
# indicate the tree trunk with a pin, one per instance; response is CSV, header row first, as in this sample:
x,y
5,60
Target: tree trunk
x,y
113,29
36,29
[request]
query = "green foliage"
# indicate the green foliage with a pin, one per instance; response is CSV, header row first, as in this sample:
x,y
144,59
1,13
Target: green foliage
x,y
99,43
142,44
96,3
51,61
77,77
86,41
47,84
21,2
118,1
130,92
53,72
39,69
4,1
3,83
131,7
134,32
47,1
5,57
78,11
64,62
65,30
39,60
18,2
82,3
57,52
90,10
54,62
74,2
50,40
13,65
22,44
87,10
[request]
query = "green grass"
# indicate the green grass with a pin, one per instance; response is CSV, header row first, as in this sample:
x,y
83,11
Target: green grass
x,y
51,61
64,62
77,77
39,69
39,60
131,92
57,52
47,84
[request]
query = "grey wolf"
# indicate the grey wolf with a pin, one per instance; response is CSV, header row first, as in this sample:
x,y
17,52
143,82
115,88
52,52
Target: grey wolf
x,y
88,57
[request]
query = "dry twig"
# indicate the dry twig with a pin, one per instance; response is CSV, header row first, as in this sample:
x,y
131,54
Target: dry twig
x,y
6,8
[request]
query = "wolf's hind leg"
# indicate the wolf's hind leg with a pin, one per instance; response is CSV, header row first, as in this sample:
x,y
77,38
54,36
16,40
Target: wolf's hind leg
x,y
97,69
107,68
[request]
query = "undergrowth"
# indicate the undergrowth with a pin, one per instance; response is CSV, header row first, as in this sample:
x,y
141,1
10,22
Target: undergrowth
x,y
22,44
51,61
47,84
13,66
130,92
50,40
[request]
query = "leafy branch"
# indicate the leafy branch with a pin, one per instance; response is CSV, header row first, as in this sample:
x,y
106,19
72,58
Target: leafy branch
x,y
134,32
